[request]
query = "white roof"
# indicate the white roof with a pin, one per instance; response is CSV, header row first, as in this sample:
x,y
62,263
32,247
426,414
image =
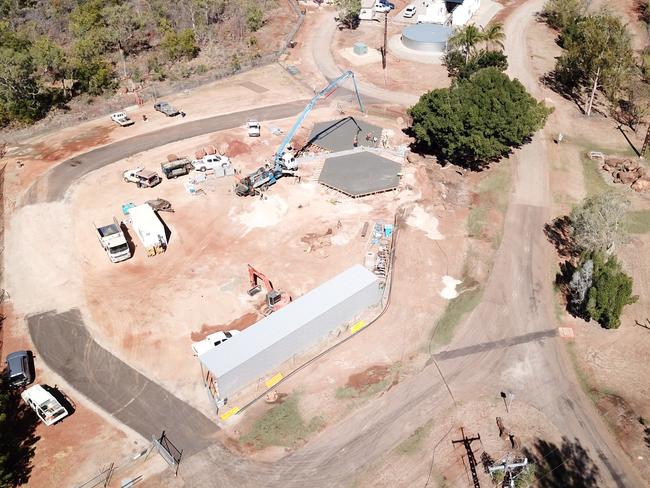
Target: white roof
x,y
37,394
280,324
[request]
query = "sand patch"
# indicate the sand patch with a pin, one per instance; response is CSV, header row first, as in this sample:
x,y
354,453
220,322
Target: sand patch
x,y
449,292
262,213
427,223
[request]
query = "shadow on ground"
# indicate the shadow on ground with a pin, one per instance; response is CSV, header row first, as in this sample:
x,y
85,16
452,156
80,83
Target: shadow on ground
x,y
565,466
17,436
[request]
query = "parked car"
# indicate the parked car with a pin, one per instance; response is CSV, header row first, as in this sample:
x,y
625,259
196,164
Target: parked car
x,y
142,177
381,7
166,108
254,128
20,368
46,406
176,168
390,5
210,162
121,119
212,341
410,11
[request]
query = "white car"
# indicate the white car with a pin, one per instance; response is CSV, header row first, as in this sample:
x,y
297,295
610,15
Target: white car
x,y
212,341
48,409
409,11
254,128
381,7
121,119
210,162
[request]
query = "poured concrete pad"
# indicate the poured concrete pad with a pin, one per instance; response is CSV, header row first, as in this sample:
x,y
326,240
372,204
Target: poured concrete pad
x,y
360,174
338,135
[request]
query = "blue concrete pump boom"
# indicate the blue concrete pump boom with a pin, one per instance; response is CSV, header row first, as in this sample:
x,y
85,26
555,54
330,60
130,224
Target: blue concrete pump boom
x,y
263,177
324,93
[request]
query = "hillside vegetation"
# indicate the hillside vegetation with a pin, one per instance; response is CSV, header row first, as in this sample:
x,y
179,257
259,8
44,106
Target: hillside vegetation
x,y
54,50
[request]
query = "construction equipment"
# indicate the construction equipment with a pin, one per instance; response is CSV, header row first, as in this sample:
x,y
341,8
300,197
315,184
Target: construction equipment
x,y
284,162
275,300
113,241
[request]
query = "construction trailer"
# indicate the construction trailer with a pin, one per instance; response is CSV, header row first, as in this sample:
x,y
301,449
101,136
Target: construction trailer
x,y
261,348
149,228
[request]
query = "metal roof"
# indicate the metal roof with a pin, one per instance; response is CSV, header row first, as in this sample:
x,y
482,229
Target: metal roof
x,y
265,333
360,174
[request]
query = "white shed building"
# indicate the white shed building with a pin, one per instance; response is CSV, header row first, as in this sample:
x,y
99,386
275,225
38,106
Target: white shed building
x,y
260,348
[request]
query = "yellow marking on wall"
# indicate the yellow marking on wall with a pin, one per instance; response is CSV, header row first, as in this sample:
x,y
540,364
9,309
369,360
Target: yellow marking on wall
x,y
358,326
230,413
274,380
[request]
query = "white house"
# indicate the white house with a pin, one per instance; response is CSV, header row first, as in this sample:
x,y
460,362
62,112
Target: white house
x,y
449,12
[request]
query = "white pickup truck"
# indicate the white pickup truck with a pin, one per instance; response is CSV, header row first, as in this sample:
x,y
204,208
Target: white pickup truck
x,y
48,409
210,162
121,119
113,241
254,128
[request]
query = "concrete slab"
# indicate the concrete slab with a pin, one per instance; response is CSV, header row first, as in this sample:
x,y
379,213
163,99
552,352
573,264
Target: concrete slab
x,y
360,174
339,135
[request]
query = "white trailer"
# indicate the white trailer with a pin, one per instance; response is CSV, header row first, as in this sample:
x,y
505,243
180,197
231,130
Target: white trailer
x,y
48,409
113,241
149,228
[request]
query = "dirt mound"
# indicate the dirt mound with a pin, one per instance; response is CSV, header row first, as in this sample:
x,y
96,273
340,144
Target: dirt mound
x,y
237,148
371,376
238,324
316,241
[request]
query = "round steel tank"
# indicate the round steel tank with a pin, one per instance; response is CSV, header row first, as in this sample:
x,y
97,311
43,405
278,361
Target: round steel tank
x,y
431,38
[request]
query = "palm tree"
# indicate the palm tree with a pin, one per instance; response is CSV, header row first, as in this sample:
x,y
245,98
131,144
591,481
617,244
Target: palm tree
x,y
466,38
493,35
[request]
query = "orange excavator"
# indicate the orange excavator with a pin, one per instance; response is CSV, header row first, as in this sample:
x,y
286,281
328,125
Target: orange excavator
x,y
275,300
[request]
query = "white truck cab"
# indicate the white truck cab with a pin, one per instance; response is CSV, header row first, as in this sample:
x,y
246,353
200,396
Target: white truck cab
x,y
254,128
48,409
212,341
113,241
121,119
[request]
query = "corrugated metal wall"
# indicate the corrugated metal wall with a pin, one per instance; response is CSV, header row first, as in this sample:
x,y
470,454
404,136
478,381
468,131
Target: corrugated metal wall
x,y
263,364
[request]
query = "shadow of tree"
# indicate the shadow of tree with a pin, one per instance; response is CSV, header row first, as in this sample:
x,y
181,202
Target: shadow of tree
x,y
565,466
17,436
558,232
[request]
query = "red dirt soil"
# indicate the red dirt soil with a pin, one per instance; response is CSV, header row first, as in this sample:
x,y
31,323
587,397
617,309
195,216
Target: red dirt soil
x,y
94,137
371,376
238,324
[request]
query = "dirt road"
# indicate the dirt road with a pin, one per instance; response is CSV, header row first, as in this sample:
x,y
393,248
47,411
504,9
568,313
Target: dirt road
x,y
57,181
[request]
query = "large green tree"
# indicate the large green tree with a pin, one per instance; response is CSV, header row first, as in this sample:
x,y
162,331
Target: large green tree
x,y
467,39
561,13
476,120
597,55
610,291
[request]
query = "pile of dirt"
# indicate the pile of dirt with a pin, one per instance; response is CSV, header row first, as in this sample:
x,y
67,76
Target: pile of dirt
x,y
628,172
240,324
317,241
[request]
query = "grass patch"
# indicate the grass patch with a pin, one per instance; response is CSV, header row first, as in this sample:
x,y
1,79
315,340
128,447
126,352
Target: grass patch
x,y
350,392
455,311
594,182
414,441
493,193
637,222
282,425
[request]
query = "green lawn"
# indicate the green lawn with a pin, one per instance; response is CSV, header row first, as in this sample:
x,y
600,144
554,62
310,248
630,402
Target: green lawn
x,y
594,182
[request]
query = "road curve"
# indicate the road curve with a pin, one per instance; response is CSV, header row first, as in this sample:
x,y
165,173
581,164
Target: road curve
x,y
57,181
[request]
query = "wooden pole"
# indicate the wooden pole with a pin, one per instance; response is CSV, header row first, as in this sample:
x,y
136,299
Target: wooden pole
x,y
383,52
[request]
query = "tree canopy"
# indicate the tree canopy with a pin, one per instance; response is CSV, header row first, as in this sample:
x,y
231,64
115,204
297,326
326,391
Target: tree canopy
x,y
597,222
476,120
597,55
610,290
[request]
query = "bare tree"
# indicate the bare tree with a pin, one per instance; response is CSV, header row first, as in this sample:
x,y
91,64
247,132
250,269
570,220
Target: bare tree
x,y
597,222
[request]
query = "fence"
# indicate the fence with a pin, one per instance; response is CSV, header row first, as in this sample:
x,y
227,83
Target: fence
x,y
106,474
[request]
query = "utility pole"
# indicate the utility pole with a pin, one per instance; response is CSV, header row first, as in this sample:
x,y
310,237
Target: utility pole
x,y
383,51
508,468
467,442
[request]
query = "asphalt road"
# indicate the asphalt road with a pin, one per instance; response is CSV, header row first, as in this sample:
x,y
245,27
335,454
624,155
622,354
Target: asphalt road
x,y
64,344
57,181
